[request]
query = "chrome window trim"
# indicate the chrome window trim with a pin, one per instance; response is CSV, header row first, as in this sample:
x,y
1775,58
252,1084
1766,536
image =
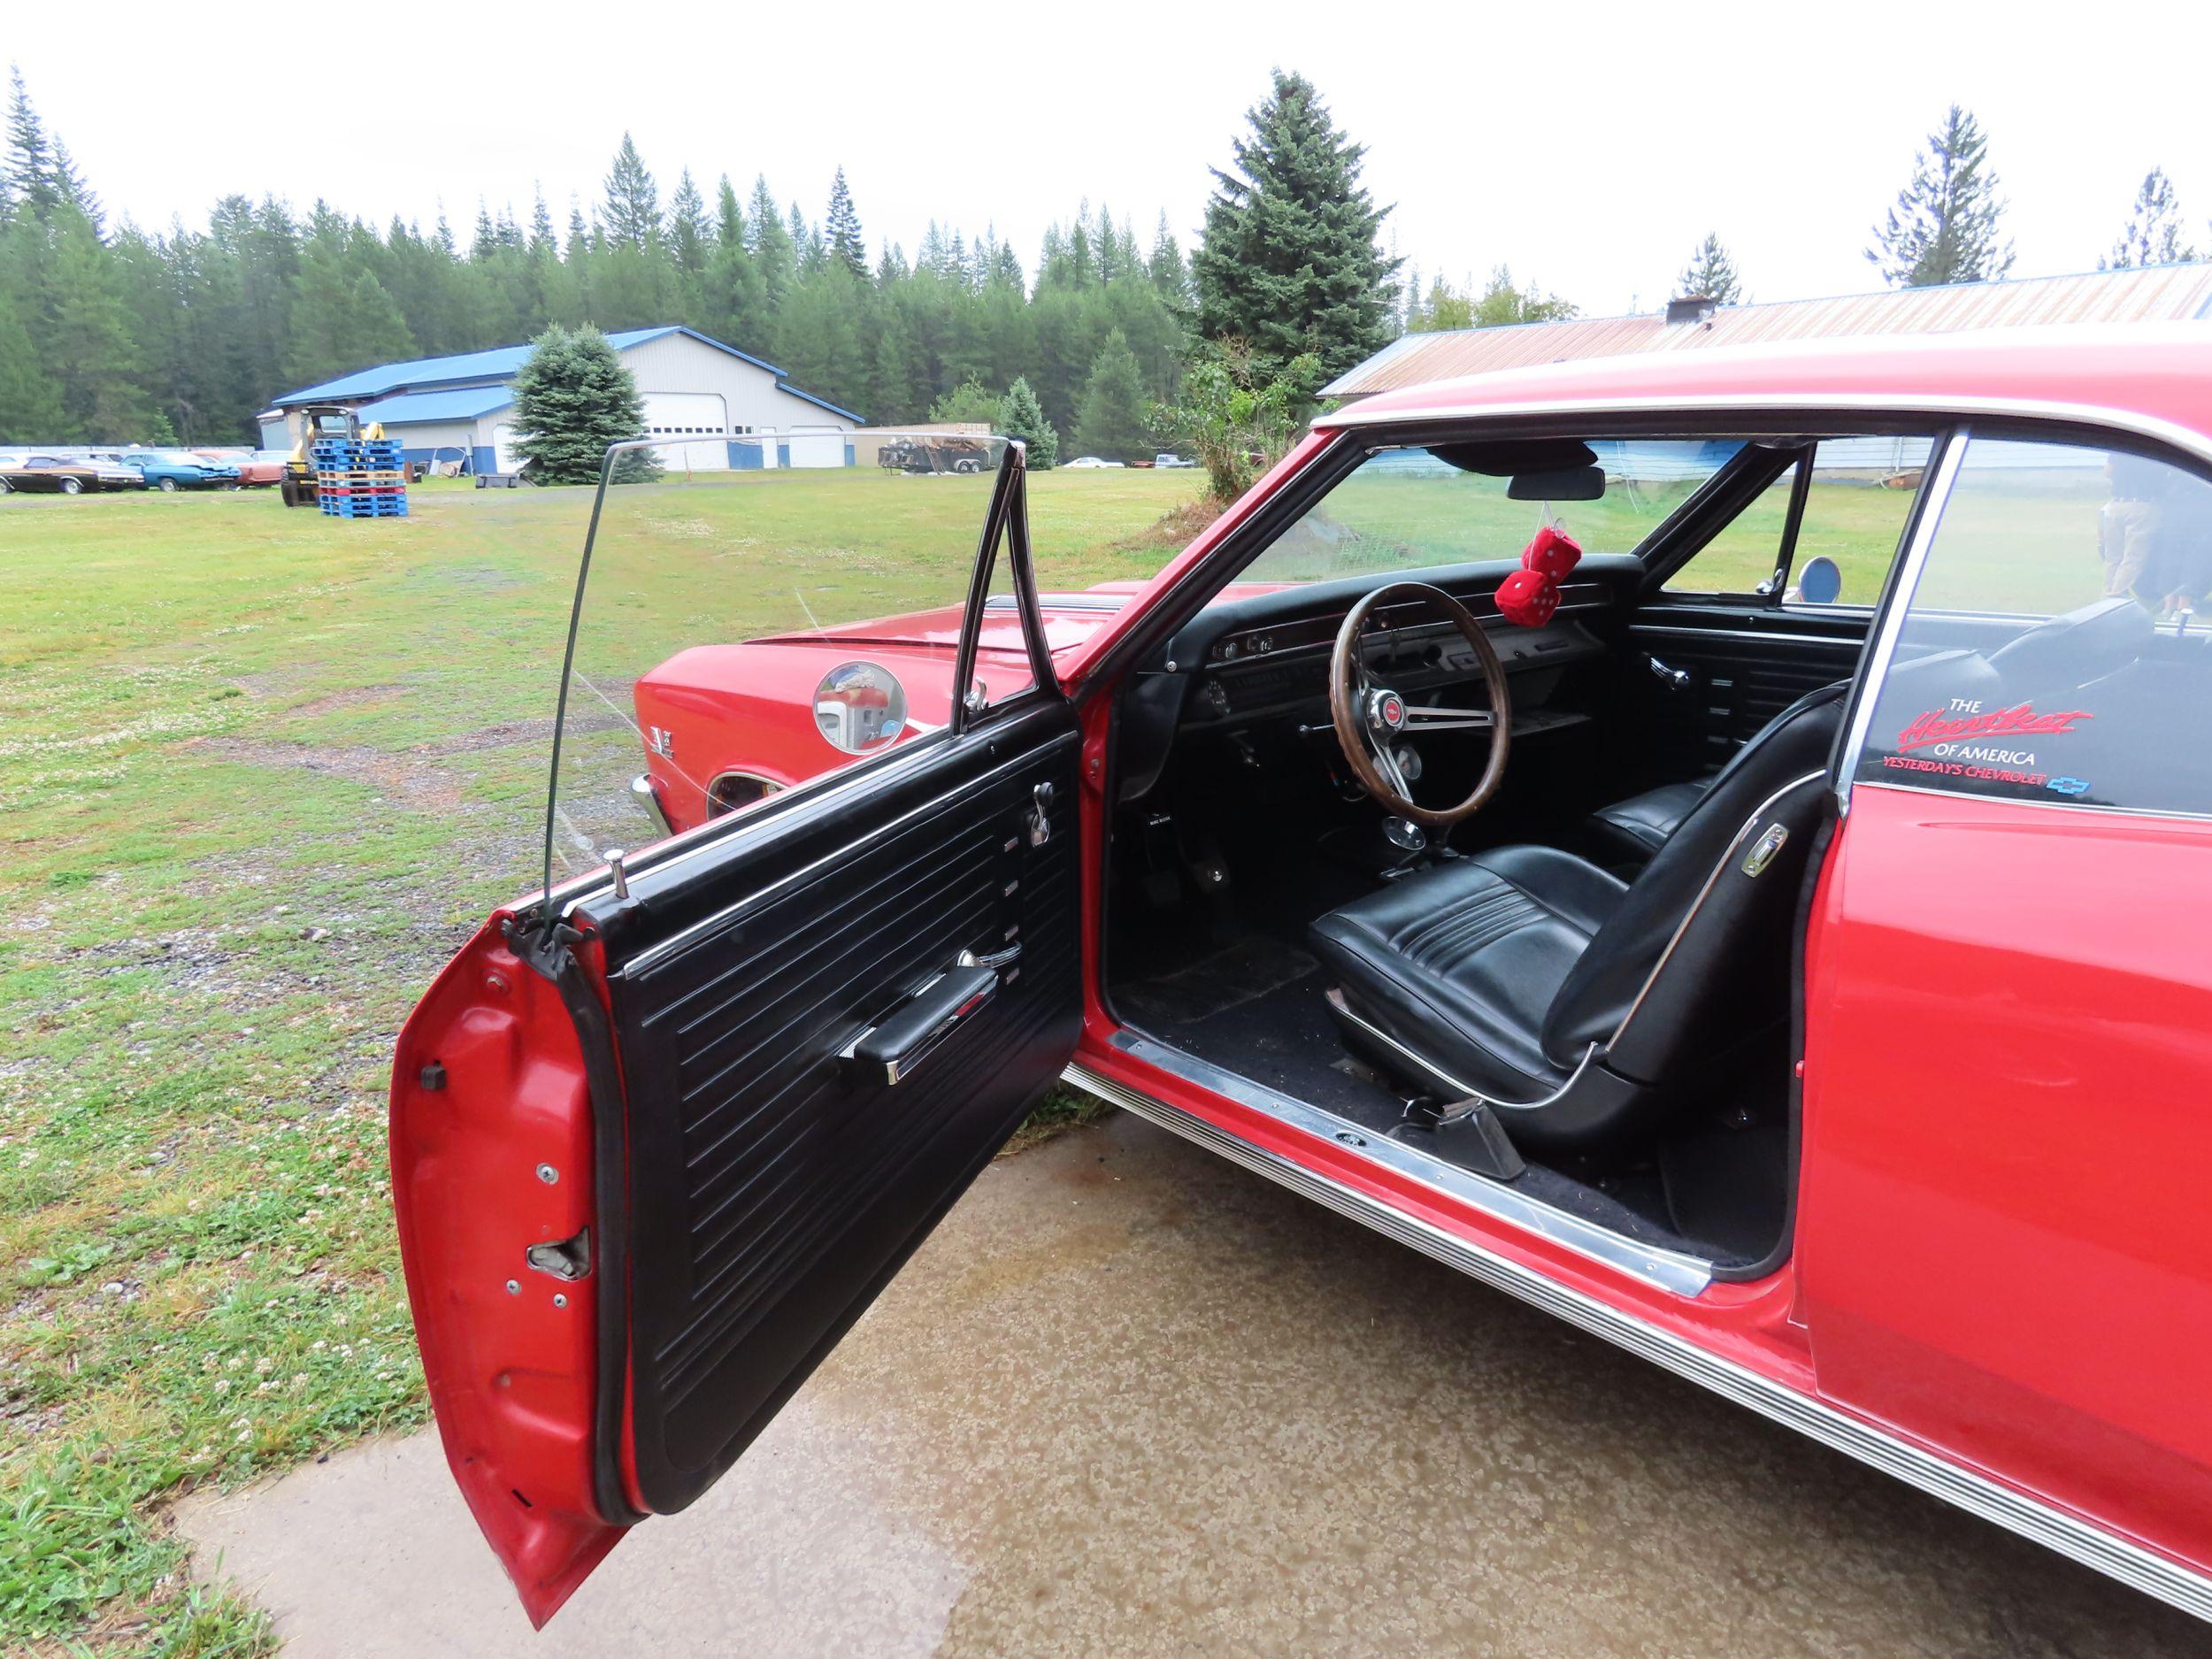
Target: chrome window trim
x,y
1977,1495
1683,631
1661,1269
1890,624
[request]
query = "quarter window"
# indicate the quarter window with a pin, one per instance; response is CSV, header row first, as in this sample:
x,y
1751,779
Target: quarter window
x,y
2055,645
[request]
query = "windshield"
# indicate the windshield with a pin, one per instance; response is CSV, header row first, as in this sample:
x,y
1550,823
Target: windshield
x,y
1412,509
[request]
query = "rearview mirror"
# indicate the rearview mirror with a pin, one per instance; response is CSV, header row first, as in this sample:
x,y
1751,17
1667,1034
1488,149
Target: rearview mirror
x,y
1564,483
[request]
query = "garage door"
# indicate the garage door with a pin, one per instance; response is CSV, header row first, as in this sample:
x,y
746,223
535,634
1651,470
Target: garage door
x,y
689,415
503,456
818,446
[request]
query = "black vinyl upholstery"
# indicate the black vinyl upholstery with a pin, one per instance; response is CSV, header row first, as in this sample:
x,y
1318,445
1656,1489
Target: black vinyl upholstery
x,y
1628,832
1502,971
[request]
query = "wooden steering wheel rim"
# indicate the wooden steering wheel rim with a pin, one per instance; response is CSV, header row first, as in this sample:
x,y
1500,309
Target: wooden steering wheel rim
x,y
1344,714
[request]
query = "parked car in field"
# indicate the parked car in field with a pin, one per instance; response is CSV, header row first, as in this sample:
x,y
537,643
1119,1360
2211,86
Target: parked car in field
x,y
1088,461
67,475
179,469
1166,460
1576,821
256,468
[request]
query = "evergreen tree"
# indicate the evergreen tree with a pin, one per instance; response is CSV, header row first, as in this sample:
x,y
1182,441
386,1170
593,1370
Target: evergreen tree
x,y
2153,234
31,180
774,251
541,243
572,398
1710,273
729,218
689,235
30,411
1289,261
633,211
1166,268
87,337
847,246
1019,417
1944,227
1110,418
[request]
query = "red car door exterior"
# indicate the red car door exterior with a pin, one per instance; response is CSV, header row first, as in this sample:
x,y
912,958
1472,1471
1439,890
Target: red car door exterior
x,y
658,1141
2008,1111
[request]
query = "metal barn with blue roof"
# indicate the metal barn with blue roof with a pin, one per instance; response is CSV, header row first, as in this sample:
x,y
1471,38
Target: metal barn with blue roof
x,y
718,407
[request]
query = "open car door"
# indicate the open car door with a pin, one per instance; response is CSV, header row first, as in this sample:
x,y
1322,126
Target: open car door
x,y
661,1133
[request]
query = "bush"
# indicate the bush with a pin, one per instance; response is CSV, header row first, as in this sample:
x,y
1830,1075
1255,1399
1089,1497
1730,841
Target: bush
x,y
1239,422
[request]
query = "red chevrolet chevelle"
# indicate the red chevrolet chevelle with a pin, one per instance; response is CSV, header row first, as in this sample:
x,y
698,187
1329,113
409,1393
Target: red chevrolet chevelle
x,y
1712,844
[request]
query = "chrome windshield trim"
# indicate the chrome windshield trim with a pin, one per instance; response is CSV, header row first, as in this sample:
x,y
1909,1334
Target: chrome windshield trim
x,y
1868,690
1663,1269
2075,1539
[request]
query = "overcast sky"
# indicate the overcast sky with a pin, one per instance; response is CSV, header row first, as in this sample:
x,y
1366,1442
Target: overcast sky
x,y
1589,148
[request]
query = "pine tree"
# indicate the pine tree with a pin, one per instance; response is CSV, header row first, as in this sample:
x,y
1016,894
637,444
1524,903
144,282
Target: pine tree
x,y
573,398
87,336
1944,227
729,218
774,251
1166,268
30,154
1020,417
30,411
1110,416
689,235
1289,261
632,212
847,246
2153,234
541,243
1710,274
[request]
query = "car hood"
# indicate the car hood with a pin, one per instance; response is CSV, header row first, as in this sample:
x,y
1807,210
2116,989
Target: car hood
x,y
1070,619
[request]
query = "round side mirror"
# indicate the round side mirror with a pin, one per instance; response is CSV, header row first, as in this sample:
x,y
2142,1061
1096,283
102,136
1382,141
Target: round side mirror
x,y
1820,582
860,707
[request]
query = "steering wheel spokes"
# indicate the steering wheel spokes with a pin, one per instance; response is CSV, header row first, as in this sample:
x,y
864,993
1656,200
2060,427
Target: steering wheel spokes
x,y
1373,720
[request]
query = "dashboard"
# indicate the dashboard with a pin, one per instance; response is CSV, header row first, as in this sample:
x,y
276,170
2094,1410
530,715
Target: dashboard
x,y
1266,656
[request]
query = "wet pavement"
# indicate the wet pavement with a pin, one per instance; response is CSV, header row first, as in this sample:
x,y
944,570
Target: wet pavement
x,y
1130,1400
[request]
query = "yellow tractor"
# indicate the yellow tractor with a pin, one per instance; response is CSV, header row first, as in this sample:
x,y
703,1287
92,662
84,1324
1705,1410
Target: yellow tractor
x,y
306,424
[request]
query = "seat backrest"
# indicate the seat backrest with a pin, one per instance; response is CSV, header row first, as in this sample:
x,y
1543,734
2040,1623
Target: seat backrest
x,y
1612,971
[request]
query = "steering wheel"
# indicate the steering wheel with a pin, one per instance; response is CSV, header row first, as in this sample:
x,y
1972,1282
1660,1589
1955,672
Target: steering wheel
x,y
1371,717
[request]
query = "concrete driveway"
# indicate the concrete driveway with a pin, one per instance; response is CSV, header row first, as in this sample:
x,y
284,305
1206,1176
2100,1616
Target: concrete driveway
x,y
1130,1400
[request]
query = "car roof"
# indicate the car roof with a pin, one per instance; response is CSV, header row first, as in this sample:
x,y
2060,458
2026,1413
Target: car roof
x,y
2156,377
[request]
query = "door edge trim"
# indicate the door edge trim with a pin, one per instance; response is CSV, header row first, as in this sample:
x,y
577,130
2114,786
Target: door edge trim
x,y
2092,1545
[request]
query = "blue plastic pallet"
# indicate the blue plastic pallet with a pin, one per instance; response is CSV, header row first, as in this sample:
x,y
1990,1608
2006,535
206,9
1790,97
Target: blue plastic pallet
x,y
391,507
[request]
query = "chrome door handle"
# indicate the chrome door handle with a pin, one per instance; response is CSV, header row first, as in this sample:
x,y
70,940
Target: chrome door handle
x,y
1673,679
889,1051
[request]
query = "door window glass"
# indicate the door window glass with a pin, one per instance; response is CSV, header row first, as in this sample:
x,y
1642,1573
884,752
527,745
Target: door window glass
x,y
2057,645
751,623
1862,493
1747,551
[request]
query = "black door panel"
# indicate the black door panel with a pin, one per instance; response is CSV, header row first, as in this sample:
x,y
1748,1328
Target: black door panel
x,y
775,1181
1696,682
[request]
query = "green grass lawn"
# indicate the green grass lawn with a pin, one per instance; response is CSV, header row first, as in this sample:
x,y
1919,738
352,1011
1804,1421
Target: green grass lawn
x,y
261,771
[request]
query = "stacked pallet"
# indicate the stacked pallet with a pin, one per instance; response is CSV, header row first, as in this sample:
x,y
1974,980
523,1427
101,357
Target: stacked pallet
x,y
360,478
